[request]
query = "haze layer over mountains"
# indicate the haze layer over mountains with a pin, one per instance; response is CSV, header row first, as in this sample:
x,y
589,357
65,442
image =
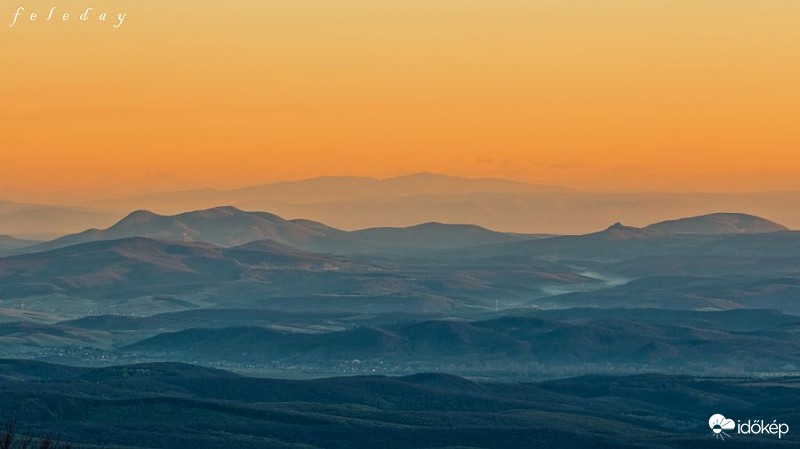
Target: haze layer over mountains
x,y
122,324
282,294
352,203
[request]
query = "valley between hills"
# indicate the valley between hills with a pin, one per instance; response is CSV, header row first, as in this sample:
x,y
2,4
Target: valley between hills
x,y
228,321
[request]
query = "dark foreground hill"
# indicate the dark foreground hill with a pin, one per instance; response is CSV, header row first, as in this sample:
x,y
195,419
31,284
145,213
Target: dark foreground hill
x,y
173,406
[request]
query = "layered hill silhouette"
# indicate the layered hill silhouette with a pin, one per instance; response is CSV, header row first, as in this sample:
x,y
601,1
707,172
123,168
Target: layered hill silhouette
x,y
686,292
716,234
719,223
225,255
229,226
356,203
352,203
41,222
142,275
326,189
138,264
10,243
436,236
142,405
707,295
223,226
146,276
510,342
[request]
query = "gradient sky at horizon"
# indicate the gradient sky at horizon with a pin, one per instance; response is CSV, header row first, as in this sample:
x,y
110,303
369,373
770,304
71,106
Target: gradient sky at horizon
x,y
621,94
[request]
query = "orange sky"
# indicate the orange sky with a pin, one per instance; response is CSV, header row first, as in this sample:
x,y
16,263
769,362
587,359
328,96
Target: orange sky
x,y
618,94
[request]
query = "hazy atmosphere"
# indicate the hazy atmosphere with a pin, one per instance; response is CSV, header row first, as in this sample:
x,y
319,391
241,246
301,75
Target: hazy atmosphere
x,y
672,95
417,224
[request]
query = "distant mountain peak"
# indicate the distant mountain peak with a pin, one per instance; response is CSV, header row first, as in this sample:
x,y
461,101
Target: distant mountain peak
x,y
618,227
619,231
140,214
719,223
136,218
225,226
9,239
424,175
8,242
217,212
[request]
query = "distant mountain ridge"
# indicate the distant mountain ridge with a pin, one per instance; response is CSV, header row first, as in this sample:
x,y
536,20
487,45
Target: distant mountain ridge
x,y
222,226
710,233
353,203
8,242
143,275
436,236
136,263
228,226
39,222
719,223
495,341
324,188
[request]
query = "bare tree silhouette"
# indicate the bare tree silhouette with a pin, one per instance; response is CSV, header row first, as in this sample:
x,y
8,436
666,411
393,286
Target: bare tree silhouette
x,y
9,439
